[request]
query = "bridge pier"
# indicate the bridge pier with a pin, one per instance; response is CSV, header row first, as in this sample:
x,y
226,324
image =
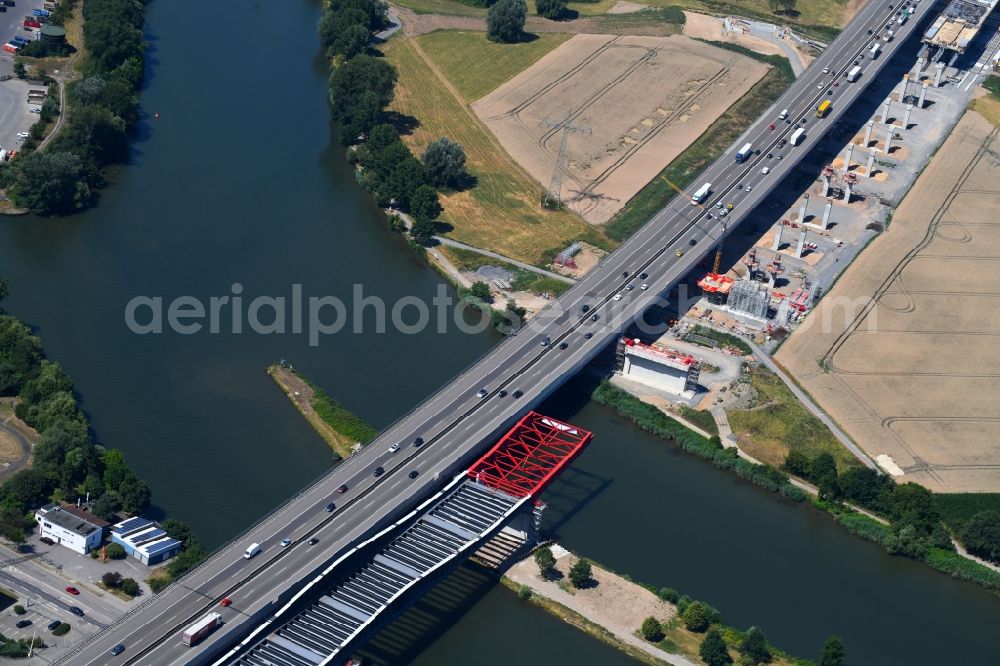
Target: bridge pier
x,y
871,162
938,74
849,153
826,215
777,237
802,209
888,139
868,132
885,110
923,94
906,117
802,242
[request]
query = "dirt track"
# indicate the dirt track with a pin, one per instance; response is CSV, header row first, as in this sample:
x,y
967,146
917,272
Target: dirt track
x,y
642,100
904,352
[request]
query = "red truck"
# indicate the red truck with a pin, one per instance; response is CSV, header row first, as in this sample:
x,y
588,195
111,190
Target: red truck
x,y
32,23
201,628
10,48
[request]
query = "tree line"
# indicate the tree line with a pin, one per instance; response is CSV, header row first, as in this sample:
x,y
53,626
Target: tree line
x,y
67,463
105,108
361,88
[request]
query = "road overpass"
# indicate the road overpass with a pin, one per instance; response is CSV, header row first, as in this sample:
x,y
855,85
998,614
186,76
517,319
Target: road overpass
x,y
451,428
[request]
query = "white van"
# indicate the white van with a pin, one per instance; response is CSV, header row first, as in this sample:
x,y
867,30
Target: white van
x,y
783,114
252,550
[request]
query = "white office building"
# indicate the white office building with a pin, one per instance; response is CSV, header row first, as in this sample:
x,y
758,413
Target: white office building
x,y
68,529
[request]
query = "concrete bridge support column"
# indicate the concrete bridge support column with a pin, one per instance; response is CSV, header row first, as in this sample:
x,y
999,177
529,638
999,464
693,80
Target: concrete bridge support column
x,y
871,161
906,117
923,94
888,139
847,157
885,109
919,66
847,193
826,186
777,237
868,132
938,74
802,242
802,209
826,214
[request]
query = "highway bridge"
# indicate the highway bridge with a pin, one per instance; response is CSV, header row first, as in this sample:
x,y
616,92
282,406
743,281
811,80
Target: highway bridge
x,y
444,434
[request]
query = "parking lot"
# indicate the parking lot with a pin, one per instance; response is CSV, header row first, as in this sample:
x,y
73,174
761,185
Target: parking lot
x,y
15,112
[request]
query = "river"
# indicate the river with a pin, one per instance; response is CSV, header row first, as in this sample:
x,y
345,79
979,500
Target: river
x,y
240,180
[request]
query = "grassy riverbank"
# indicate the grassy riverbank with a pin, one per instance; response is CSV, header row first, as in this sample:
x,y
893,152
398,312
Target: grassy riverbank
x,y
338,427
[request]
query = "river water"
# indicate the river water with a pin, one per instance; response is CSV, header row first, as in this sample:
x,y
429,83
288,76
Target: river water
x,y
239,180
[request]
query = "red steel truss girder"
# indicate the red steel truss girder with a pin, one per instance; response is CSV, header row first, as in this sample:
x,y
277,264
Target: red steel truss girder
x,y
530,455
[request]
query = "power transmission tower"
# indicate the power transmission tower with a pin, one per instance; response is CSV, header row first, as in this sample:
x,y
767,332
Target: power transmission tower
x,y
553,197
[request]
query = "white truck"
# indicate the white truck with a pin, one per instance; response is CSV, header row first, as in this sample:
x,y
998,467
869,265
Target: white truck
x,y
252,550
797,136
853,75
876,47
743,153
701,194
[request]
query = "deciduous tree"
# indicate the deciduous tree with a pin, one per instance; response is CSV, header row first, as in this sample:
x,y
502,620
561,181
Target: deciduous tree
x,y
580,573
444,161
833,652
651,629
505,20
713,649
546,562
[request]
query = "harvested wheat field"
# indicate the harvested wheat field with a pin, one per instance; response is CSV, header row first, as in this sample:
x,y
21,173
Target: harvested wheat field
x,y
635,104
905,350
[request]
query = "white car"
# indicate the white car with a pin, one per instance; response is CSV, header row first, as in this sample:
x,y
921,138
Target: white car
x,y
285,543
765,170
22,135
35,109
644,286
618,297
394,448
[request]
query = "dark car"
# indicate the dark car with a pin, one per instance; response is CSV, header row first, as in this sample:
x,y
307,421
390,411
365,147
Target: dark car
x,y
117,650
76,610
518,393
418,441
313,541
330,507
770,155
588,336
379,471
47,541
870,32
643,276
563,345
584,307
594,317
502,393
413,474
693,241
54,624
342,489
23,623
624,273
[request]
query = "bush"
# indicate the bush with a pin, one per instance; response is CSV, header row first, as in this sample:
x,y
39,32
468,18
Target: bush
x,y
580,573
158,583
981,535
114,551
668,594
713,649
112,579
61,630
19,610
651,630
524,593
550,9
130,587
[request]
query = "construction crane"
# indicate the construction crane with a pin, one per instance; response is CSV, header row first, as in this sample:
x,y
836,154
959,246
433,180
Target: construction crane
x,y
718,251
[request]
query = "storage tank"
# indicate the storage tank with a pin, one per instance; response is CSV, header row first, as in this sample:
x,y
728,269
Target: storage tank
x,y
53,35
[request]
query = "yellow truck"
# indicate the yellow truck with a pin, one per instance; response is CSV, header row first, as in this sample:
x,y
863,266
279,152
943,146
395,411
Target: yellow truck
x,y
822,109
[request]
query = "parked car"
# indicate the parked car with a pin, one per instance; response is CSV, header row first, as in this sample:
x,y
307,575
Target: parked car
x,y
23,623
54,624
47,541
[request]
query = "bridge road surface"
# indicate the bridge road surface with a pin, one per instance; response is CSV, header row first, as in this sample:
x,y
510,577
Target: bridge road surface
x,y
455,424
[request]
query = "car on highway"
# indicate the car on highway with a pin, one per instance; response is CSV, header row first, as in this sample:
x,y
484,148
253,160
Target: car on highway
x,y
618,297
644,286
588,335
584,307
54,624
313,541
418,441
679,253
766,170
72,590
394,448
226,602
379,471
820,86
342,489
518,393
595,317
76,610
749,189
413,474
285,543
826,70
781,144
624,273
739,186
630,287
502,393
23,623
482,392
546,340
330,507
718,204
771,127
563,345
693,242
723,212
117,650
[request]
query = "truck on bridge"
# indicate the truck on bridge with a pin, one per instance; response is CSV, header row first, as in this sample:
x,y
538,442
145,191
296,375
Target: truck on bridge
x,y
701,194
743,153
201,628
797,135
823,108
853,75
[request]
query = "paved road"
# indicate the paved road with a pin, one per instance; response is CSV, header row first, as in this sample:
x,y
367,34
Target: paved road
x,y
25,445
456,425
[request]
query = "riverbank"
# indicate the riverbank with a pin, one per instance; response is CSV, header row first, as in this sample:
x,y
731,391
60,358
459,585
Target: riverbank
x,y
612,608
341,430
934,549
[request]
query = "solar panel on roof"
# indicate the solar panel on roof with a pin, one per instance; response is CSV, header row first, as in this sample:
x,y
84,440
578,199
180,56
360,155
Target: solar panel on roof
x,y
160,546
131,525
151,535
